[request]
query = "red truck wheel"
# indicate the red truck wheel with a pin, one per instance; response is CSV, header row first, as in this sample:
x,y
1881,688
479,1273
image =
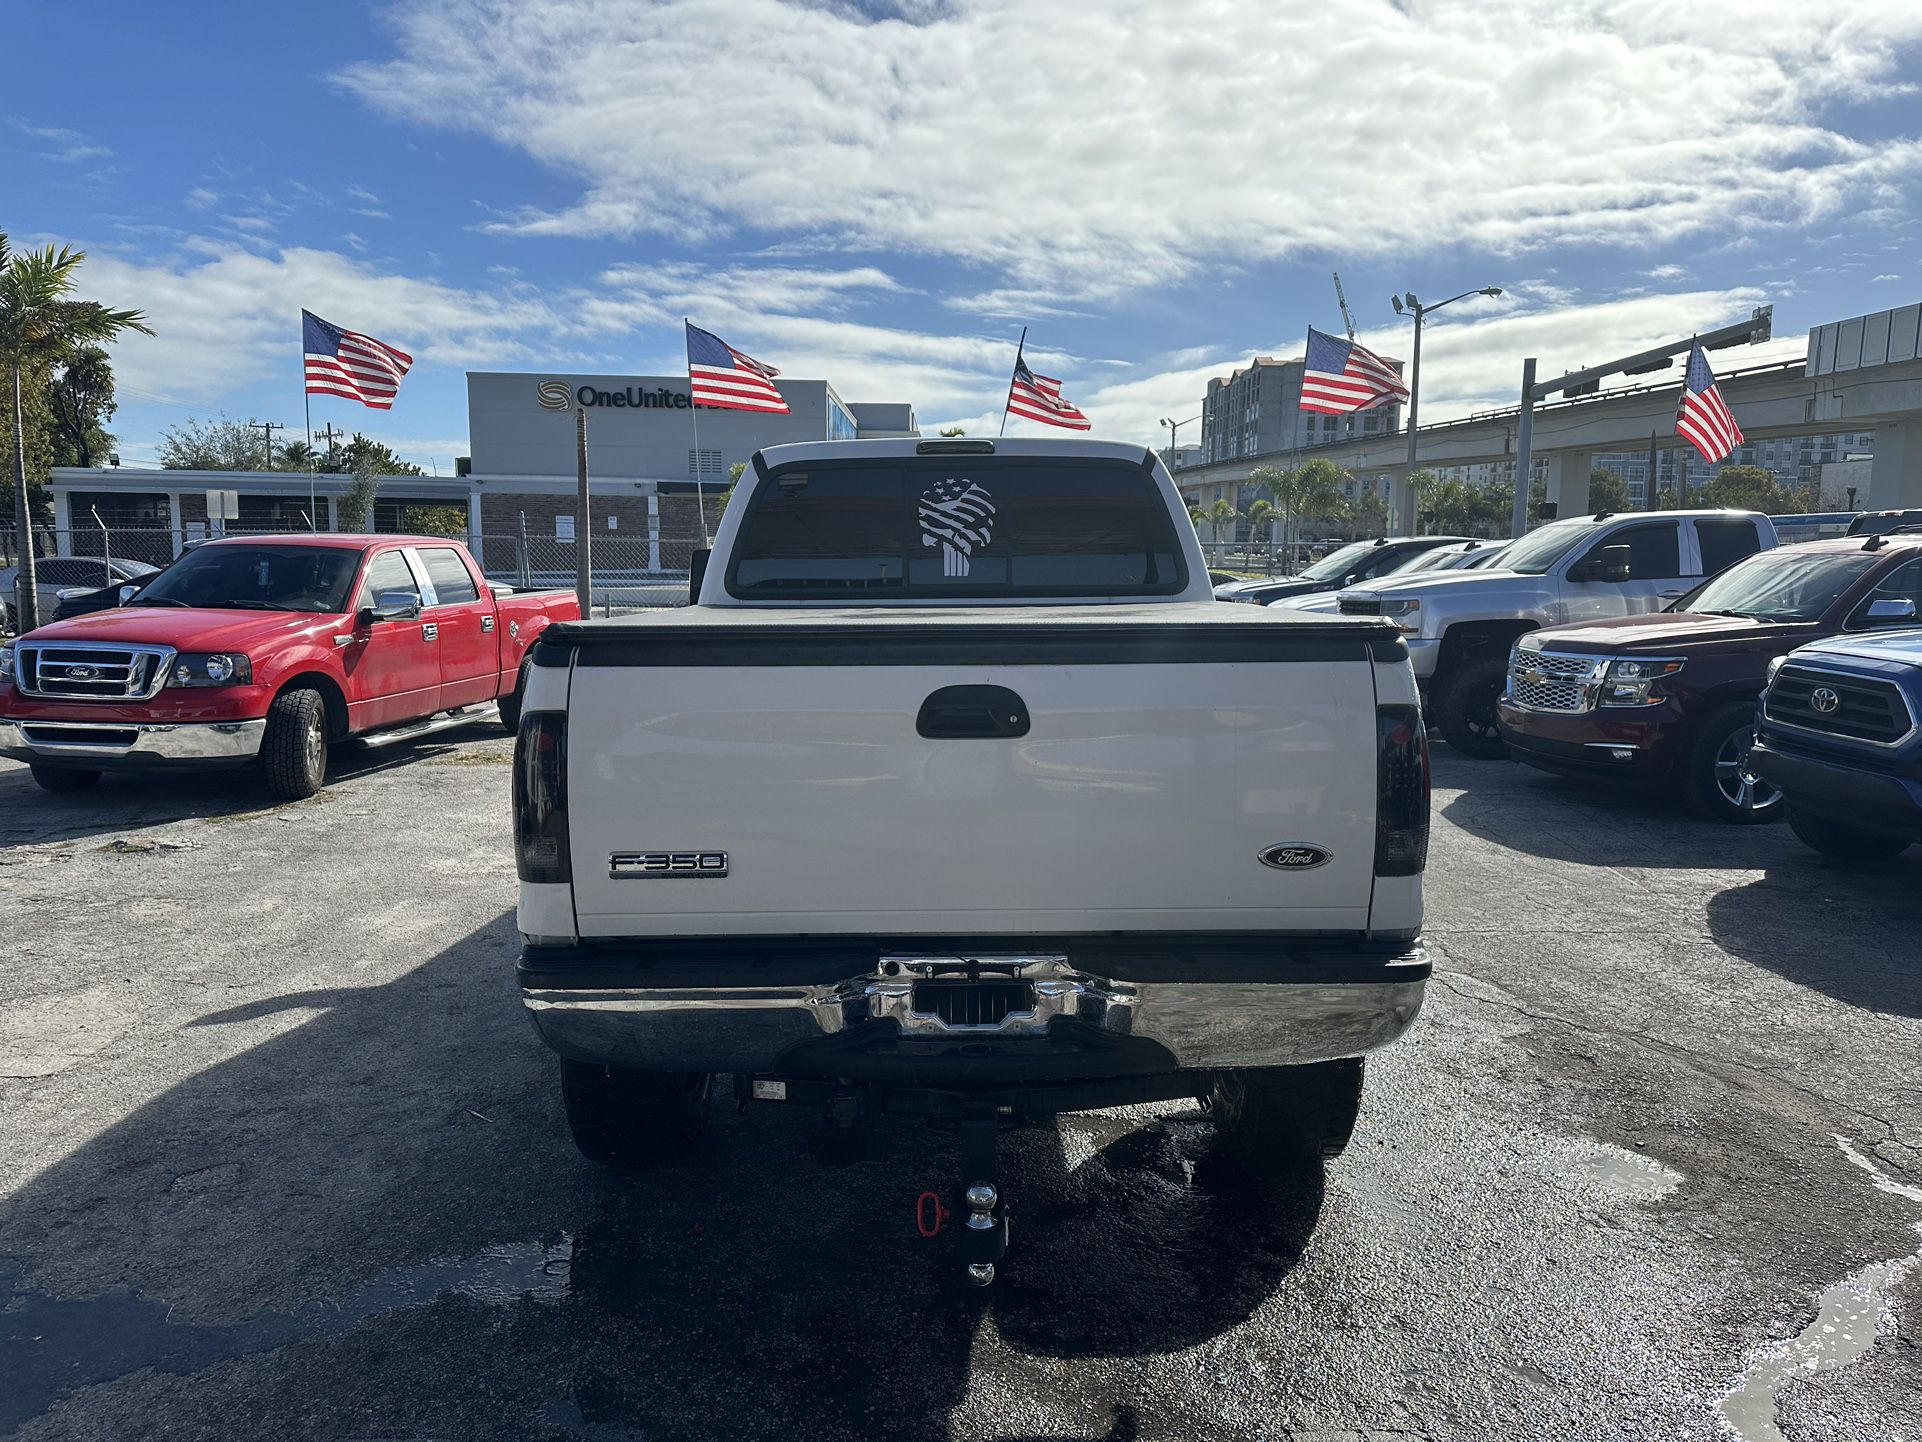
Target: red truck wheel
x,y
294,748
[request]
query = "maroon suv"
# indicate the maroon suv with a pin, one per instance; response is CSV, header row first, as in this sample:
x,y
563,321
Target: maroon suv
x,y
1672,696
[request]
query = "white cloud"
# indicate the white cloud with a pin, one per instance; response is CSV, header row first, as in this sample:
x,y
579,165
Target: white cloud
x,y
1666,272
1082,150
67,146
1884,276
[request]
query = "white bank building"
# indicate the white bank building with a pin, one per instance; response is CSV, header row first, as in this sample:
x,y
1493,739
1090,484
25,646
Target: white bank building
x,y
649,453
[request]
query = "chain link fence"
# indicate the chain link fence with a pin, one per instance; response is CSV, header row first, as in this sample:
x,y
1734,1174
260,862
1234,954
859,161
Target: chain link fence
x,y
631,572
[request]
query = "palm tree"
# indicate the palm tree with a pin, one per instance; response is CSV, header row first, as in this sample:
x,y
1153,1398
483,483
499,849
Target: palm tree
x,y
1222,515
299,456
1261,513
1310,492
39,327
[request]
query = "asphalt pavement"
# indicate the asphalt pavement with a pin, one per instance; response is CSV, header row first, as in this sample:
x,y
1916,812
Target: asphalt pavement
x,y
280,1157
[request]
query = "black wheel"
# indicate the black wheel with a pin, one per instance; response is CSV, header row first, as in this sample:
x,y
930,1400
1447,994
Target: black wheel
x,y
510,704
1722,782
627,1118
1465,710
1843,842
64,780
1268,1117
294,748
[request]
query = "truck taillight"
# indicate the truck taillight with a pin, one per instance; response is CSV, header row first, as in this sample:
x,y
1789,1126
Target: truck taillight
x,y
540,798
1401,791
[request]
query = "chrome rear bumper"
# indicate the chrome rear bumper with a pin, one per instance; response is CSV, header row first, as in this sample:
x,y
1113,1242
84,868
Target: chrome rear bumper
x,y
107,744
1200,1024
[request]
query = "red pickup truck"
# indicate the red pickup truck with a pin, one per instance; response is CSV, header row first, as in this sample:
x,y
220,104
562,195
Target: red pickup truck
x,y
270,648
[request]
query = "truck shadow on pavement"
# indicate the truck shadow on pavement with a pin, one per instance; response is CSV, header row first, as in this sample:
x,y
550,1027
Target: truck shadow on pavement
x,y
1851,933
1589,823
30,816
364,1218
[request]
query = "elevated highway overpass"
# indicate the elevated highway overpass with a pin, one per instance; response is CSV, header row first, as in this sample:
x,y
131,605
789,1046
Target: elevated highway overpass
x,y
1848,382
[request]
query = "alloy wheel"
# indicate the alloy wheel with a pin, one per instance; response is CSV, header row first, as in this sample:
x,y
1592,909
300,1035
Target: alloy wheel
x,y
1737,779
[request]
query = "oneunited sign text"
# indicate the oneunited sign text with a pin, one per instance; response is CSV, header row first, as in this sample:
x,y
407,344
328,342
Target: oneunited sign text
x,y
555,396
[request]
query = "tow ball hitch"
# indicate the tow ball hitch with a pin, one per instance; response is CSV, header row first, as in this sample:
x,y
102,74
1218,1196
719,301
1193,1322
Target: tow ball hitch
x,y
984,1231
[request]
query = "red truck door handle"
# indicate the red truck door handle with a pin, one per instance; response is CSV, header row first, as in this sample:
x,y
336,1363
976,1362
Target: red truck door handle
x,y
487,623
430,632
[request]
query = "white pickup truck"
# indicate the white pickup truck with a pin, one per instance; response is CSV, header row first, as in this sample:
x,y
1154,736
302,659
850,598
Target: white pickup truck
x,y
955,793
1460,625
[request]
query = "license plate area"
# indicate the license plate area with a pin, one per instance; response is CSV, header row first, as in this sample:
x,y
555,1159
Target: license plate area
x,y
967,1004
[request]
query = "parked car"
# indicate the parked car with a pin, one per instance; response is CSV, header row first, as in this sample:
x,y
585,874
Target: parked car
x,y
1874,523
1460,627
1792,530
1467,555
58,577
1670,698
1839,732
1358,561
940,800
269,649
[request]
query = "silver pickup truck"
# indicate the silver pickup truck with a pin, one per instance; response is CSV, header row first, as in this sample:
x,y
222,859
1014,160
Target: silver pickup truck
x,y
957,794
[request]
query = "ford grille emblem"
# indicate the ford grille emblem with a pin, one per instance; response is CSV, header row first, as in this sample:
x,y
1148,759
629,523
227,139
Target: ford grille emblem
x,y
1296,858
81,673
1824,700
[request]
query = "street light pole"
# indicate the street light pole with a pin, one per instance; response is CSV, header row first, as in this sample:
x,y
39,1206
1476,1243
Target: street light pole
x,y
1174,436
1406,304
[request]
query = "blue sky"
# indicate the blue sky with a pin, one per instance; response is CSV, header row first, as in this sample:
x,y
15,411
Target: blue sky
x,y
883,193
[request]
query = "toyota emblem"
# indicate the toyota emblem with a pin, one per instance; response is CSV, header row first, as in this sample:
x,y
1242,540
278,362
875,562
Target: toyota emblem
x,y
1823,699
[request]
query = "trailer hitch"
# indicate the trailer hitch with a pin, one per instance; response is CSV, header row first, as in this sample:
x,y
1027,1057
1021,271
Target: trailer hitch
x,y
984,1233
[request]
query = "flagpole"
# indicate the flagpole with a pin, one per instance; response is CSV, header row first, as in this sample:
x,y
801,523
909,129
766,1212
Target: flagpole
x,y
694,409
1007,400
307,404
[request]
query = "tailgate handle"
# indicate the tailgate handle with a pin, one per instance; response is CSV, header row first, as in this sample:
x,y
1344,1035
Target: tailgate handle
x,y
956,712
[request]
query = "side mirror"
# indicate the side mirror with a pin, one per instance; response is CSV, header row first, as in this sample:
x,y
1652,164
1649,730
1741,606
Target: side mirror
x,y
127,593
389,606
696,574
1892,611
1610,563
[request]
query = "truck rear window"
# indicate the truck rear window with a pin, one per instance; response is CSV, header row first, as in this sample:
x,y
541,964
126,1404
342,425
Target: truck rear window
x,y
960,526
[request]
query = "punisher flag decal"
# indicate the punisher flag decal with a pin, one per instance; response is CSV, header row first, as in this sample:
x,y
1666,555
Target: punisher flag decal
x,y
957,516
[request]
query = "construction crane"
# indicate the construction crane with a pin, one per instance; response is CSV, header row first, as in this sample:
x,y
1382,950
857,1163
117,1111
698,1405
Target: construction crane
x,y
1346,318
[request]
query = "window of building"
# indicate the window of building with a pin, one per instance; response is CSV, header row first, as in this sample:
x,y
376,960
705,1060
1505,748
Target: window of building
x,y
710,467
841,426
271,513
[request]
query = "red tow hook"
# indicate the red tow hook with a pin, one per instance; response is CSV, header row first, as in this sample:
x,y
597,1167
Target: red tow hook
x,y
929,1214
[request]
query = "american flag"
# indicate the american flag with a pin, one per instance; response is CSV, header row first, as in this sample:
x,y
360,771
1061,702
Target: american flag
x,y
1341,377
723,377
1703,418
1038,398
351,365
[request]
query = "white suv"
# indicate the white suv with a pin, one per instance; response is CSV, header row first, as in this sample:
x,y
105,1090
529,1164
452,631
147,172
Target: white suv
x,y
1459,625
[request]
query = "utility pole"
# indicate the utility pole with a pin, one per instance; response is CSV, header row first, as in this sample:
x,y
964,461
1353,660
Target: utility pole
x,y
583,526
268,428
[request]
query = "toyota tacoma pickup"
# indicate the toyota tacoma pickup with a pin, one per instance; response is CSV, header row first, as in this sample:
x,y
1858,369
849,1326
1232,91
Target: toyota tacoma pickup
x,y
956,793
265,650
1671,697
1460,626
1839,732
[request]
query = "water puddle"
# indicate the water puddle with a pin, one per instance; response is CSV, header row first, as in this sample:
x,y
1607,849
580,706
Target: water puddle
x,y
50,1345
1618,1172
1848,1316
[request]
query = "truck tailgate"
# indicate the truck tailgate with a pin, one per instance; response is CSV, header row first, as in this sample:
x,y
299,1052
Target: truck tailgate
x,y
1159,761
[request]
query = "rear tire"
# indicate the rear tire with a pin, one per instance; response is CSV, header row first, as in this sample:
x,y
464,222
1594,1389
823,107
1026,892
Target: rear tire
x,y
64,780
510,704
1465,710
1844,843
1720,781
293,748
628,1118
1269,1117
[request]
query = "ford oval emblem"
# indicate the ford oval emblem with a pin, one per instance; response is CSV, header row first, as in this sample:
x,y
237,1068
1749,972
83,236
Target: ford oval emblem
x,y
1296,857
